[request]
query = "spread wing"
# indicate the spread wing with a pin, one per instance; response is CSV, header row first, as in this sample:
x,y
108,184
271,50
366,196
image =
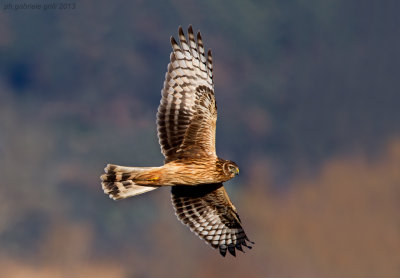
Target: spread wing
x,y
208,212
187,114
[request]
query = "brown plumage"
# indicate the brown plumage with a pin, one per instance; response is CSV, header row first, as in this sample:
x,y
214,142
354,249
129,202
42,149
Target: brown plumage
x,y
186,123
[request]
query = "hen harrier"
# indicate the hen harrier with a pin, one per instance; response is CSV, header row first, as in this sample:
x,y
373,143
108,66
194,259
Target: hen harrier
x,y
186,122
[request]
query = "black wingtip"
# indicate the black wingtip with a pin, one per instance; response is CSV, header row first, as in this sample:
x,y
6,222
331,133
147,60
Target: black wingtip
x,y
247,239
239,247
222,250
231,249
190,32
174,43
181,33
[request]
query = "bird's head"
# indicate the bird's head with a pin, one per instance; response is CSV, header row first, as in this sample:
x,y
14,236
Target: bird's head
x,y
230,169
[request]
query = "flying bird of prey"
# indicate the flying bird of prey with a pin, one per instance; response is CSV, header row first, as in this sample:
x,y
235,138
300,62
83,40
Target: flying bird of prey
x,y
186,123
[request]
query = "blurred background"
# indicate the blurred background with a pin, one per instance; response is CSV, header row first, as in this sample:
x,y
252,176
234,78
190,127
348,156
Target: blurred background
x,y
308,98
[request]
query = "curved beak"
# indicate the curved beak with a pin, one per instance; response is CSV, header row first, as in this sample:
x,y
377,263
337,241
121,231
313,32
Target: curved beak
x,y
237,171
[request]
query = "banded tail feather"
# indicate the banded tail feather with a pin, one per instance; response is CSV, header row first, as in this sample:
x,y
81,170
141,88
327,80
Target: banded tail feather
x,y
119,181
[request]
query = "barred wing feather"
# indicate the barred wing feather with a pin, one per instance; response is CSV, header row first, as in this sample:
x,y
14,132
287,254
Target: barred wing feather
x,y
187,114
209,213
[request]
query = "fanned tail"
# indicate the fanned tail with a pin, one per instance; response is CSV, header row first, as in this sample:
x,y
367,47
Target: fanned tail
x,y
118,181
